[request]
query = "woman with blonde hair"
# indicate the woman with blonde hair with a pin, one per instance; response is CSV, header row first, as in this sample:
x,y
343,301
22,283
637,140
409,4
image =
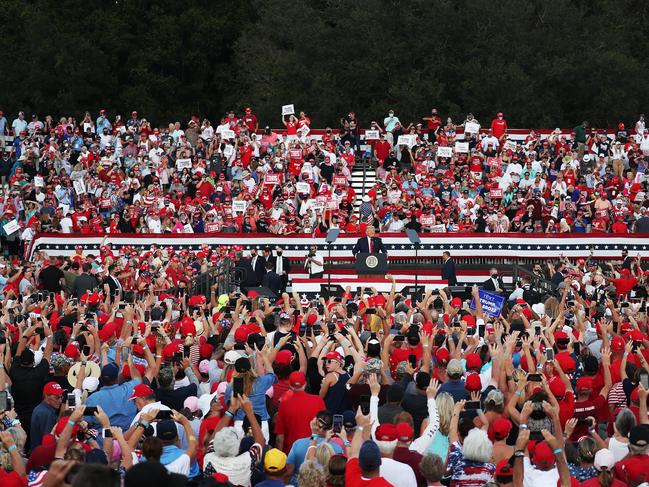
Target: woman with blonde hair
x,y
311,475
445,404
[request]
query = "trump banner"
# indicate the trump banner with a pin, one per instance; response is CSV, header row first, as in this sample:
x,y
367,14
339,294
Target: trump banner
x,y
492,304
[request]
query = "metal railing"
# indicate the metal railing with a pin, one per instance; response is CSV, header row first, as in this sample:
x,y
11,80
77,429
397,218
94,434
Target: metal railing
x,y
223,274
543,286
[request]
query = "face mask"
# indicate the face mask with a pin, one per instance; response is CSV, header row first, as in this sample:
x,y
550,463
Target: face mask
x,y
494,275
279,253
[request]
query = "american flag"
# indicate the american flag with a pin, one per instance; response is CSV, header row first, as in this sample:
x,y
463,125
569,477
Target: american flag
x,y
35,478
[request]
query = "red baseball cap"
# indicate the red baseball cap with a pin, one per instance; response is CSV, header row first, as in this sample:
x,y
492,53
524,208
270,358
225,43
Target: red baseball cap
x,y
501,428
404,432
297,379
584,384
617,344
456,302
442,356
334,356
386,432
473,361
283,357
52,389
543,456
558,388
71,351
141,390
473,382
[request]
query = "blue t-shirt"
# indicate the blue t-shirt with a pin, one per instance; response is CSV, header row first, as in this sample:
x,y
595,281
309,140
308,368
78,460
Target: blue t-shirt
x,y
115,403
257,397
298,453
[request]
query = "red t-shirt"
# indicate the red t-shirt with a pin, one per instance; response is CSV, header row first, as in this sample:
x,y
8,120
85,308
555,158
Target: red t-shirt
x,y
294,415
354,477
636,461
593,407
594,482
499,127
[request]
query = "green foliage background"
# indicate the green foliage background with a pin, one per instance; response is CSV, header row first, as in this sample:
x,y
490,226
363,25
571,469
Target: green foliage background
x,y
544,63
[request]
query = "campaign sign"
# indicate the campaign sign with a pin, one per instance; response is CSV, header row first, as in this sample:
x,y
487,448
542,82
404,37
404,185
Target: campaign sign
x,y
228,134
371,135
444,152
492,304
426,220
496,193
340,181
493,162
472,127
272,179
461,147
288,110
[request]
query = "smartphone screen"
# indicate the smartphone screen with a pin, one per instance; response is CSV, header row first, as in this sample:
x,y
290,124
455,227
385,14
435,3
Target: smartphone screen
x,y
644,380
338,423
3,400
124,353
577,348
412,358
237,385
164,414
186,350
72,401
549,354
370,311
534,377
481,330
106,433
147,315
471,405
365,404
90,411
537,330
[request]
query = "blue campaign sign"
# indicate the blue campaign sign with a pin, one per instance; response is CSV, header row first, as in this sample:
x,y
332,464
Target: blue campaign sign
x,y
492,304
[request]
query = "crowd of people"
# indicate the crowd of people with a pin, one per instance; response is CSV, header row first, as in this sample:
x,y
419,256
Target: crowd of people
x,y
108,381
107,174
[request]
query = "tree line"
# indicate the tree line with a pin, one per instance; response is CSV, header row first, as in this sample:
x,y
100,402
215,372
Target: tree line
x,y
544,63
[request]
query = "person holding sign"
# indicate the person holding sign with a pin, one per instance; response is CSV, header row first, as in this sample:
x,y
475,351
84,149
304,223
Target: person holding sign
x,y
291,128
499,128
370,243
433,123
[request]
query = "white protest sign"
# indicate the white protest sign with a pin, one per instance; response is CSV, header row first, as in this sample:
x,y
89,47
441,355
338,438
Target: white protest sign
x,y
462,147
438,228
305,130
79,186
228,150
288,110
239,206
303,188
228,134
332,204
187,228
39,182
371,135
87,127
11,227
408,140
444,152
472,127
183,163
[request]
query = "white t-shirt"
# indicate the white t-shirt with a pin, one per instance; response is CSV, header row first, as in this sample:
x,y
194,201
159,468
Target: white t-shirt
x,y
66,224
236,468
180,465
397,473
535,478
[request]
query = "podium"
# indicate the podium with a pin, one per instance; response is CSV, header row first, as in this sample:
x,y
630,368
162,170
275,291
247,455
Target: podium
x,y
369,265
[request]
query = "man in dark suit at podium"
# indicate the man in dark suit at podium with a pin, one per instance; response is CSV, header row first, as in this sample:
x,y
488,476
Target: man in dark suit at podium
x,y
448,269
370,243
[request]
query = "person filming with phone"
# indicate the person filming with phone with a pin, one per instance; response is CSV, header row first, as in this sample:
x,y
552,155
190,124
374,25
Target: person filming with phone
x,y
314,263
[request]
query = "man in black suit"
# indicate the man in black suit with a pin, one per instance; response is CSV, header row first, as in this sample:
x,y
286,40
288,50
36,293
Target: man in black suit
x,y
281,267
245,273
495,283
84,282
271,279
370,243
627,262
448,269
258,264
